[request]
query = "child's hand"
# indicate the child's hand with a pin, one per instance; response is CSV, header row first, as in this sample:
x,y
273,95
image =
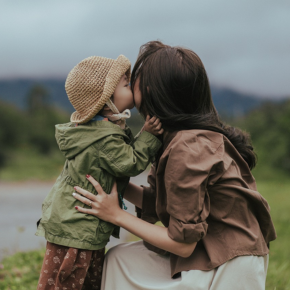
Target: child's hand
x,y
153,126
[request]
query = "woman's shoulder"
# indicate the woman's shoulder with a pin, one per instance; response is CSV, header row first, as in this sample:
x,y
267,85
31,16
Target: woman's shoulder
x,y
194,139
205,147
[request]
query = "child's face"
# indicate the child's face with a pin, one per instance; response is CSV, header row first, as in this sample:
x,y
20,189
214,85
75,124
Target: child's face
x,y
123,96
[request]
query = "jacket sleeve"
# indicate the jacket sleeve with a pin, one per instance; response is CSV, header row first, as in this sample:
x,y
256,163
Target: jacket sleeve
x,y
121,159
188,168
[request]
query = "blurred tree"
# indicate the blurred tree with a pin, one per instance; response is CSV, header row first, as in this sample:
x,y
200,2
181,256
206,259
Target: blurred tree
x,y
12,130
37,98
269,127
42,132
42,119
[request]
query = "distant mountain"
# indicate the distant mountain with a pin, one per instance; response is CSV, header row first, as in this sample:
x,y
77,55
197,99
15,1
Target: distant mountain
x,y
232,103
228,102
15,91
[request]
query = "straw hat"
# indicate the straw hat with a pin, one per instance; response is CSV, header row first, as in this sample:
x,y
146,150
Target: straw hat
x,y
92,82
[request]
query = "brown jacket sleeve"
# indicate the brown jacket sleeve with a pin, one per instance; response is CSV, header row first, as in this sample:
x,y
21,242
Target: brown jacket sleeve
x,y
190,164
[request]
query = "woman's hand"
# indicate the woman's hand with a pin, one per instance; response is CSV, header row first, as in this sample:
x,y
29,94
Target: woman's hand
x,y
104,206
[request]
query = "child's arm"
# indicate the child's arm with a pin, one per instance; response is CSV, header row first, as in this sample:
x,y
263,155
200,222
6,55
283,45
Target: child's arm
x,y
121,159
153,126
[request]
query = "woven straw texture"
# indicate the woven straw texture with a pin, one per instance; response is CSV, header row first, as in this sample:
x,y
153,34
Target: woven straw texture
x,y
92,82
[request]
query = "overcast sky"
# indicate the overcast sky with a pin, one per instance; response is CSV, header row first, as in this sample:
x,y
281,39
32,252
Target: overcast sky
x,y
244,44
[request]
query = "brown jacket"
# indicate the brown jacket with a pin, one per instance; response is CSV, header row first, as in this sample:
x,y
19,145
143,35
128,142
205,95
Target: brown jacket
x,y
203,191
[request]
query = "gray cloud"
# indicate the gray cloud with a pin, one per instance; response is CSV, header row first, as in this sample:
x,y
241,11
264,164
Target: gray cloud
x,y
243,44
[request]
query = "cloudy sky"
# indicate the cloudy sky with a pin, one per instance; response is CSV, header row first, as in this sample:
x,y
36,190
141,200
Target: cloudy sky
x,y
244,44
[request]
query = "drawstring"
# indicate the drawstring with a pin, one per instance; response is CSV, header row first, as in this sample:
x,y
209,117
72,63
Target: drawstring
x,y
122,201
120,118
117,117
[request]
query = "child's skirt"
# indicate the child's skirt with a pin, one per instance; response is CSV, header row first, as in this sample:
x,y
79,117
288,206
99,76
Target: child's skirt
x,y
67,268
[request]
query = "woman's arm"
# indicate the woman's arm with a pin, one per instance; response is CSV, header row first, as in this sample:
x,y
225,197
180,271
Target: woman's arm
x,y
153,234
106,207
134,194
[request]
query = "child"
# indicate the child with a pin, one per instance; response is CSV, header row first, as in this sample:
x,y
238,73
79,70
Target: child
x,y
96,142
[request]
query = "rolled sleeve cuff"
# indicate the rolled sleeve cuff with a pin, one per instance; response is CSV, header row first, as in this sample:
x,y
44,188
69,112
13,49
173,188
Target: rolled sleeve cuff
x,y
186,233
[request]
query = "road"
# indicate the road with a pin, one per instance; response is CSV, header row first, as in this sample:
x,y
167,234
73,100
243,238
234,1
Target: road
x,y
20,208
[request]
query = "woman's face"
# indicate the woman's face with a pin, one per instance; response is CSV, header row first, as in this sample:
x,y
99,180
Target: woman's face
x,y
137,94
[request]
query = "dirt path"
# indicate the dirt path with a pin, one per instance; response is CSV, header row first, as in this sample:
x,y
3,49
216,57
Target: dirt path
x,y
20,208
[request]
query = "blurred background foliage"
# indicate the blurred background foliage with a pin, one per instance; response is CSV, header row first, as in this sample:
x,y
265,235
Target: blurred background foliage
x,y
29,151
269,127
28,147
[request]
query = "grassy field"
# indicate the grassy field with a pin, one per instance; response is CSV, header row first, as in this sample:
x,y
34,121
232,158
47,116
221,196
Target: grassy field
x,y
28,164
21,270
277,194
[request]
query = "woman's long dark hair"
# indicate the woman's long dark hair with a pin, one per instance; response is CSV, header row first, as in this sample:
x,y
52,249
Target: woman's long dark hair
x,y
175,88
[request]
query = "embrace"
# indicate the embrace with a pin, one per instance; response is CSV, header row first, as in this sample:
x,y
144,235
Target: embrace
x,y
216,225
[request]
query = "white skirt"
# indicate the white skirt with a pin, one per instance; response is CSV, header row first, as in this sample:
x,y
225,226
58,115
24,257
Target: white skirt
x,y
132,266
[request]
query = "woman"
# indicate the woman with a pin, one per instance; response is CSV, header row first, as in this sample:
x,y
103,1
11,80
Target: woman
x,y
217,227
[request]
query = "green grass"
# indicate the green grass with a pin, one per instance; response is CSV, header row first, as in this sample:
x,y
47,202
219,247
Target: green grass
x,y
28,164
277,195
22,269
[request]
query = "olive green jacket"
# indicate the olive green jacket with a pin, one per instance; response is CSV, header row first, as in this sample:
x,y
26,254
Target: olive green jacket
x,y
107,153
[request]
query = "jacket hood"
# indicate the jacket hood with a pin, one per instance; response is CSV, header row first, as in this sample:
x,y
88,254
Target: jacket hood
x,y
72,140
